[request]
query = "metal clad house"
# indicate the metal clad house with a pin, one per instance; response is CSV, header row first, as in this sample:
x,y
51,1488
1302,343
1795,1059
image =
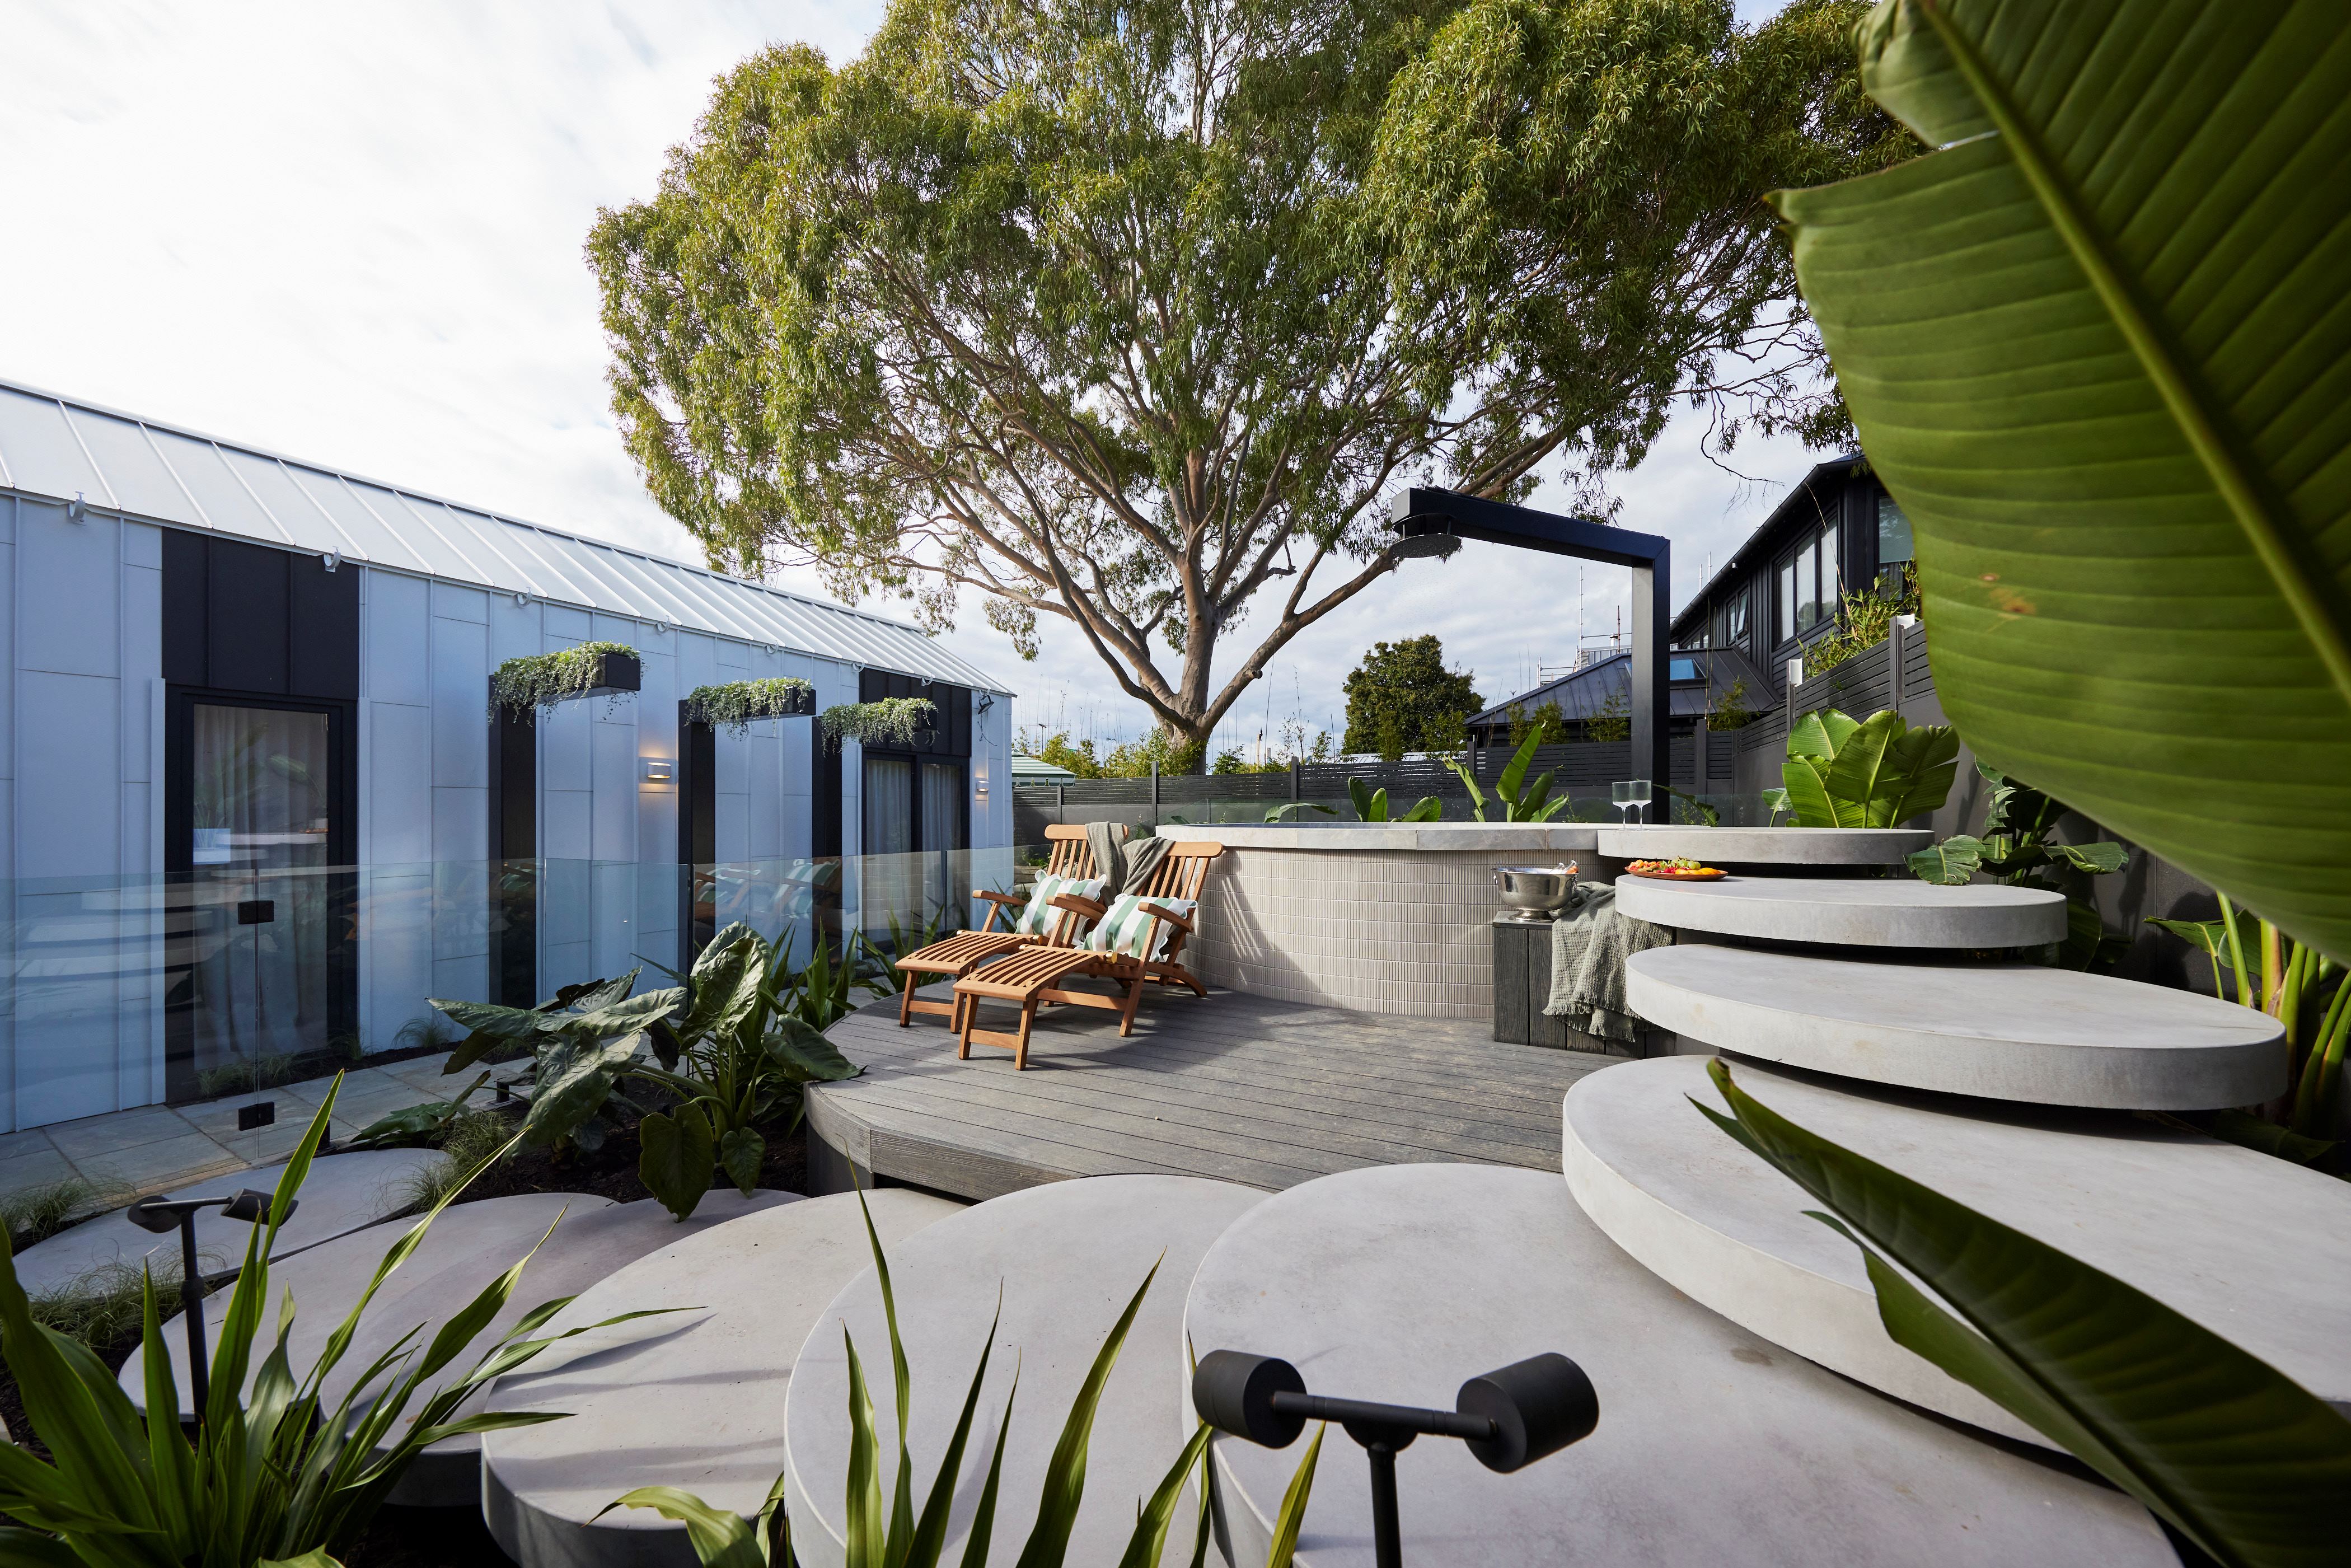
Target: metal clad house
x,y
224,662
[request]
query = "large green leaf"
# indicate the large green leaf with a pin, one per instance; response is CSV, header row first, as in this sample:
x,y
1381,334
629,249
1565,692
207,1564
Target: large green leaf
x,y
677,1157
2228,1448
2096,346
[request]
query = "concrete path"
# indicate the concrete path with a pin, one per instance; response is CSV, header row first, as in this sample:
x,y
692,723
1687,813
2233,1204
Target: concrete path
x,y
153,1148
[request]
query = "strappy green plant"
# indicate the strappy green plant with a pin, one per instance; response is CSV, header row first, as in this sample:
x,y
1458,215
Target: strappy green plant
x,y
2226,1448
899,1537
269,1475
1514,799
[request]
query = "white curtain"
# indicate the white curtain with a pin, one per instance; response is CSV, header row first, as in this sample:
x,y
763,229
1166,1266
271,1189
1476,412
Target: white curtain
x,y
263,788
891,881
942,833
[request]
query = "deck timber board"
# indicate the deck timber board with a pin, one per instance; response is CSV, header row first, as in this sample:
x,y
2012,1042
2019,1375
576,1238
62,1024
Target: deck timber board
x,y
1234,1087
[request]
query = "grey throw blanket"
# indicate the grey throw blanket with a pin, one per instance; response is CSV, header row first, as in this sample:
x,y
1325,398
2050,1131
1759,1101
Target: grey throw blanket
x,y
1589,944
1124,868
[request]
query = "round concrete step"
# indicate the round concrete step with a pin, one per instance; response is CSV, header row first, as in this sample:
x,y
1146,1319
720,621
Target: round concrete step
x,y
342,1194
1067,1257
1764,846
695,1401
2253,1248
1887,913
2004,1031
1397,1282
467,1248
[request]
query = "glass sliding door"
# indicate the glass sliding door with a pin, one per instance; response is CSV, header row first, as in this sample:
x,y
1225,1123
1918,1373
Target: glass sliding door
x,y
257,922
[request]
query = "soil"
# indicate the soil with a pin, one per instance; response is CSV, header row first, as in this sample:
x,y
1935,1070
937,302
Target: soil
x,y
455,1537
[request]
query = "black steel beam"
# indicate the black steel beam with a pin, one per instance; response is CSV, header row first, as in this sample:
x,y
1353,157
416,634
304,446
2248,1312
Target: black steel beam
x,y
1421,512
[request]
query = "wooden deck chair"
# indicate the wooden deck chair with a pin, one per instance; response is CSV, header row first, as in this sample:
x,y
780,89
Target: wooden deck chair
x,y
1034,976
958,955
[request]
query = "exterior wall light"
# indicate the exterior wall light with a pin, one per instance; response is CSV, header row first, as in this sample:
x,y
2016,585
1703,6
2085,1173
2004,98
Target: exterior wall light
x,y
658,769
331,560
76,510
979,779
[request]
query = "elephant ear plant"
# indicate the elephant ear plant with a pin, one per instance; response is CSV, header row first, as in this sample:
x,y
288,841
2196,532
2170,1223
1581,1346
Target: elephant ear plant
x,y
723,1047
270,1474
1843,772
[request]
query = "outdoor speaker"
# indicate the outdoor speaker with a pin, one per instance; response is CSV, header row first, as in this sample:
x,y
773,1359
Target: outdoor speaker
x,y
153,1213
1233,1391
254,1206
1538,1405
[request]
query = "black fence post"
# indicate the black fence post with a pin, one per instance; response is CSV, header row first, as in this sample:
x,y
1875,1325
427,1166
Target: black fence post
x,y
1293,779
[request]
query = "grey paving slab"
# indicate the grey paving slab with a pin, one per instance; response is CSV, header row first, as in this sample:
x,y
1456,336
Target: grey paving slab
x,y
1765,846
1067,1258
167,1162
1883,913
2255,1249
695,1401
1231,1087
1714,1445
2005,1032
37,1165
344,1193
99,1137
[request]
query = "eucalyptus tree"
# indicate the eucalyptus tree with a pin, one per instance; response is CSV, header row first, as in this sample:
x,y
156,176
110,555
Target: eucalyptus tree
x,y
1130,312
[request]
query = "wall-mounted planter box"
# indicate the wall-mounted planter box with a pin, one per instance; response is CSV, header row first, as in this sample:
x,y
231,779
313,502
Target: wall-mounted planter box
x,y
617,673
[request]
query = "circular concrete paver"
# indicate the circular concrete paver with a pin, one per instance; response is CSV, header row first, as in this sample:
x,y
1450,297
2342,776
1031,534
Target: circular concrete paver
x,y
1398,1283
1763,846
1887,913
2003,1032
343,1193
694,1401
1068,1256
2253,1248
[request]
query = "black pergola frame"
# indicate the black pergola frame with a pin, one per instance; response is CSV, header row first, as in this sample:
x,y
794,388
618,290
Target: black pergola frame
x,y
1423,512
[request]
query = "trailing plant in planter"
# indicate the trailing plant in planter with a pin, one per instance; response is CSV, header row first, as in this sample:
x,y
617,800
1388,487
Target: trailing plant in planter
x,y
732,706
542,681
892,720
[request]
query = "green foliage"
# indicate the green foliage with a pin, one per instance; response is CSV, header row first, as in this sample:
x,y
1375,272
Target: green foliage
x,y
107,1305
891,721
270,1474
733,705
2154,463
730,1046
1546,721
1079,758
35,1213
244,1074
1865,620
1514,800
1372,805
1401,698
1613,723
544,681
877,965
900,1537
1131,314
2016,850
1877,772
1731,710
417,1126
2234,1455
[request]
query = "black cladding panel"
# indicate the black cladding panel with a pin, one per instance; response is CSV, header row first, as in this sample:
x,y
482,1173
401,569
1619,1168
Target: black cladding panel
x,y
322,629
246,647
244,617
187,592
951,734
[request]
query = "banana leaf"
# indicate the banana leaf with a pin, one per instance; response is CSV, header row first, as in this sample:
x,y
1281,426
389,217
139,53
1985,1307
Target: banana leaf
x,y
1952,864
2095,345
2232,1453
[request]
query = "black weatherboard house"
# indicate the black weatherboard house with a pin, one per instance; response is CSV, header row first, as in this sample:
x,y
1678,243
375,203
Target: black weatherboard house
x,y
1837,532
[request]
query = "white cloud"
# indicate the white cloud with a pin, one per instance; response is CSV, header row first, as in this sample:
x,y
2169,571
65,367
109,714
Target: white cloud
x,y
355,235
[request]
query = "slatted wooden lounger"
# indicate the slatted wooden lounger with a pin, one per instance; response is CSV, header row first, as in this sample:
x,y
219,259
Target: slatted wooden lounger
x,y
958,955
1034,976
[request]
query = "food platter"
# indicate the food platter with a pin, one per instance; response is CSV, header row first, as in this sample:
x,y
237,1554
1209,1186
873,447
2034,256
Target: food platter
x,y
1675,871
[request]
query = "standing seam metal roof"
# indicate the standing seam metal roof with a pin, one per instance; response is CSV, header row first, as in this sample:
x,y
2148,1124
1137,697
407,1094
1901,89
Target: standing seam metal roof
x,y
59,447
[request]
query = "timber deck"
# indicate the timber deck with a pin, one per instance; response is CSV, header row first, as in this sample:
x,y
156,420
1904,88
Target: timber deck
x,y
1238,1088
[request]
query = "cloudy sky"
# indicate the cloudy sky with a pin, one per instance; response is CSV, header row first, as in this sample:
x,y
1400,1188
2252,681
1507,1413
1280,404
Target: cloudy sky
x,y
353,233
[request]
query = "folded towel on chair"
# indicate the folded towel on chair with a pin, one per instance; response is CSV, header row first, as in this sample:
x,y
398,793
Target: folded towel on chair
x,y
1123,867
1589,941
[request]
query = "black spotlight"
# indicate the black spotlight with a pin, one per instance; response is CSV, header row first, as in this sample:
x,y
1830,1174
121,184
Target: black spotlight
x,y
162,1216
1509,1418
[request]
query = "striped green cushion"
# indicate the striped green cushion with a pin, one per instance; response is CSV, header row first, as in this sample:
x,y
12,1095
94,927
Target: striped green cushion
x,y
1128,925
1036,916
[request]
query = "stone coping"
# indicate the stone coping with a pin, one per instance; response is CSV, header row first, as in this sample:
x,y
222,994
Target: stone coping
x,y
1764,846
693,1400
1714,1445
1066,1257
1507,838
1887,912
2251,1246
2004,1031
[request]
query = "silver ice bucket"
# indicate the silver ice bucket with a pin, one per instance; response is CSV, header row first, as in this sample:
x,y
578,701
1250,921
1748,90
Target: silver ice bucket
x,y
1541,890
